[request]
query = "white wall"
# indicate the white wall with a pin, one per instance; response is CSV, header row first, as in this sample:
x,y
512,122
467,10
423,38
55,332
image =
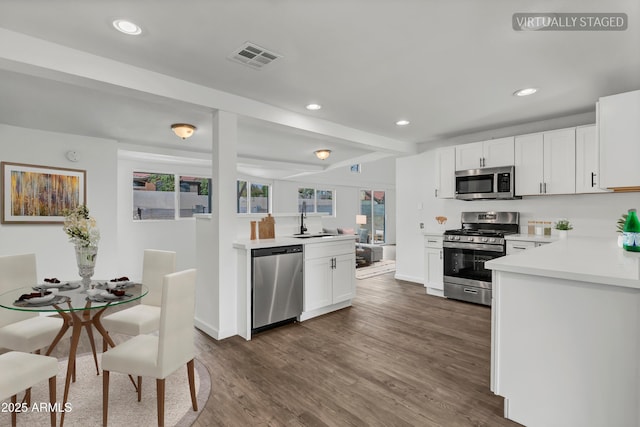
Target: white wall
x,y
136,236
55,255
590,214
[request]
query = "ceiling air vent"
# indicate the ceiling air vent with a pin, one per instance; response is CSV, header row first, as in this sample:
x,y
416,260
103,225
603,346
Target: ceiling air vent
x,y
253,56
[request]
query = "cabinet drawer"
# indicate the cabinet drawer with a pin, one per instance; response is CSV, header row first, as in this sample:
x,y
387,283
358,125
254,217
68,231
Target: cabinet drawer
x,y
518,246
433,242
319,250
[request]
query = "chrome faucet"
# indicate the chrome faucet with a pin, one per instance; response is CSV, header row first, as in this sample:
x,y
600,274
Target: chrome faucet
x,y
303,213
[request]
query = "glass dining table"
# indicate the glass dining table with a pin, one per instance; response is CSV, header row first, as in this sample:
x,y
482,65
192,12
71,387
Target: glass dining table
x,y
77,308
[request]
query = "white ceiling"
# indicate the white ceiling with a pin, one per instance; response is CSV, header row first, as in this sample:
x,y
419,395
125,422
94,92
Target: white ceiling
x,y
448,67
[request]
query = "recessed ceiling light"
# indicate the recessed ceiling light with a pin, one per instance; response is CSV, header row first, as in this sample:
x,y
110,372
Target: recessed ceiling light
x,y
313,107
525,92
127,27
402,122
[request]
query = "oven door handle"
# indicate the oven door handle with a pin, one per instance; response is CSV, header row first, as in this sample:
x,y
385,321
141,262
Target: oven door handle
x,y
470,291
473,246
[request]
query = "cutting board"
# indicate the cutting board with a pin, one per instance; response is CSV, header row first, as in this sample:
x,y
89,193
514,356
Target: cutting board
x,y
266,228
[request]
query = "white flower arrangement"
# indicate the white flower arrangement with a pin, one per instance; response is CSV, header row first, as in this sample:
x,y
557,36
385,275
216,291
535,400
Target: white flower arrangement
x,y
81,228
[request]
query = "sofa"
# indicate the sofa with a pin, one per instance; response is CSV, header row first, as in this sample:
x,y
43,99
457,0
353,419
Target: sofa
x,y
371,253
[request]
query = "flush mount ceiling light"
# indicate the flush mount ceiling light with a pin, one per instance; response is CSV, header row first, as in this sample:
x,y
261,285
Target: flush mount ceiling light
x,y
525,92
313,107
402,122
127,27
183,130
323,154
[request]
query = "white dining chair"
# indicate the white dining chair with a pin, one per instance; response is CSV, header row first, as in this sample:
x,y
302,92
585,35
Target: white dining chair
x,y
144,318
23,330
159,356
21,371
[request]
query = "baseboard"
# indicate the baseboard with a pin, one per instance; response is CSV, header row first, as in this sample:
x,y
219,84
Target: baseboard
x,y
435,292
414,279
206,328
306,315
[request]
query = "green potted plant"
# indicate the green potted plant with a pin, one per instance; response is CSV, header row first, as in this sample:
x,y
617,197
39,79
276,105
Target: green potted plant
x,y
563,226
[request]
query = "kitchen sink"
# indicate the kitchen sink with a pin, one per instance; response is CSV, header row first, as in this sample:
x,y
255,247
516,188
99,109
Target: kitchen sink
x,y
309,236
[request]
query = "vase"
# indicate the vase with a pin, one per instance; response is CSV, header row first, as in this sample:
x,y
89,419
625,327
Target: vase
x,y
86,259
562,234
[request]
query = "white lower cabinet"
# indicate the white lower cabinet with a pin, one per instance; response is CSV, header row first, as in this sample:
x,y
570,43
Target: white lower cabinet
x,y
329,277
433,265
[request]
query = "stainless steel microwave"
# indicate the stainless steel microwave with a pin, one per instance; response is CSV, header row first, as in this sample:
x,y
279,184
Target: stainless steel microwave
x,y
487,183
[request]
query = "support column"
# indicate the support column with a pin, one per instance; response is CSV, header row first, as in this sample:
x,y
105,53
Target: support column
x,y
223,219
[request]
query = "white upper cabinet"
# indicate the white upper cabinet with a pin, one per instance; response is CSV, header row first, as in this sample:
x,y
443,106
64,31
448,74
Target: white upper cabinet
x,y
445,173
560,161
485,154
529,164
587,152
619,131
545,163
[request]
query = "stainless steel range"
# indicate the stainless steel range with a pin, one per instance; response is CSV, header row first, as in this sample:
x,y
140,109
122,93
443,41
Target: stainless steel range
x,y
480,239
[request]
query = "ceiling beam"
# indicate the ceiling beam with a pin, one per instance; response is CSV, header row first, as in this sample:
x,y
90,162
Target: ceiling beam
x,y
22,52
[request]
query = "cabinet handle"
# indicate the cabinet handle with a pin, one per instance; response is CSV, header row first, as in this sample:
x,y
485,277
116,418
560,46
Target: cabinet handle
x,y
470,291
540,188
435,192
440,254
519,247
333,263
545,188
593,182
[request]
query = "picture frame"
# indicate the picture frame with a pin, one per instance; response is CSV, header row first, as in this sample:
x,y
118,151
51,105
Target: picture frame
x,y
34,194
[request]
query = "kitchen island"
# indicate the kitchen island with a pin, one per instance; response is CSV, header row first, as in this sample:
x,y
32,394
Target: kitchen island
x,y
566,334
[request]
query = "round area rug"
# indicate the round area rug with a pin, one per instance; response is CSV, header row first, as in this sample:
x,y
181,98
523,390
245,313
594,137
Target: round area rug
x,y
85,398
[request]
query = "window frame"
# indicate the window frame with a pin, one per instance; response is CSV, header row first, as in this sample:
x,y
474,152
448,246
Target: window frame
x,y
316,190
250,201
176,194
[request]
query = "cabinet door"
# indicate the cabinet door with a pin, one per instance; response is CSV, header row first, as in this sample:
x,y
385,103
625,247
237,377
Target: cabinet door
x,y
434,268
317,283
619,131
499,152
587,155
560,162
469,156
445,173
529,164
344,278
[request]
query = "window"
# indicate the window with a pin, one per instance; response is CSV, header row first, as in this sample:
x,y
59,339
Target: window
x,y
372,204
255,200
317,201
155,195
308,197
194,196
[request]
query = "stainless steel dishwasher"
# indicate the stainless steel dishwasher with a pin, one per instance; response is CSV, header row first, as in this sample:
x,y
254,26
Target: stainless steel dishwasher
x,y
277,284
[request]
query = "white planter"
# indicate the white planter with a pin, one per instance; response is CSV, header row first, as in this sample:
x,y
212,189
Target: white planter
x,y
562,234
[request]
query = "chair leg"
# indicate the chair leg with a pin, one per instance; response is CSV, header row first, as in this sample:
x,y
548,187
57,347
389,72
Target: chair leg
x,y
27,396
52,399
14,401
160,392
192,384
105,397
139,388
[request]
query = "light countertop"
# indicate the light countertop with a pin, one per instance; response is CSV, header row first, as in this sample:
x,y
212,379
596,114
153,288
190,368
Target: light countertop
x,y
531,238
588,259
288,241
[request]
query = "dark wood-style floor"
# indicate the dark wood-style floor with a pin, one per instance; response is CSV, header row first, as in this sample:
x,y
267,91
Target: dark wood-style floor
x,y
398,357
